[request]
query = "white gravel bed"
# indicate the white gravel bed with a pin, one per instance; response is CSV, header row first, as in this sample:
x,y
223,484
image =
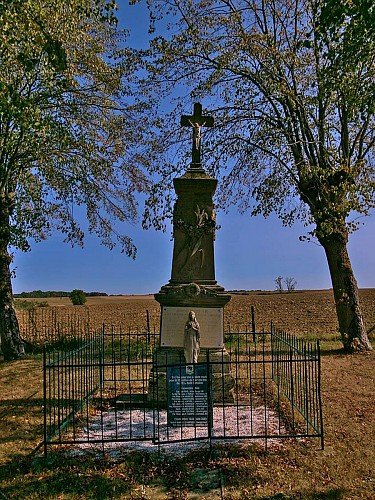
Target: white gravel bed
x,y
228,421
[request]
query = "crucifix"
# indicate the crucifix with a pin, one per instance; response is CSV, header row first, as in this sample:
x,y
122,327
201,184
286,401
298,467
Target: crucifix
x,y
197,121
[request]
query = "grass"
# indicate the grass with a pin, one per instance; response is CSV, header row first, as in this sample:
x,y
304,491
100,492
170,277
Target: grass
x,y
294,470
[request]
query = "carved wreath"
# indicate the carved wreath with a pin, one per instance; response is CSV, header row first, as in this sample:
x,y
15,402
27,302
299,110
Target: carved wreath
x,y
204,224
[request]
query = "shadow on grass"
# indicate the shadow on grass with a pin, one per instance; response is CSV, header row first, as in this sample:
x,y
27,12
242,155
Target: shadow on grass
x,y
21,407
333,494
88,476
21,425
334,352
57,476
342,352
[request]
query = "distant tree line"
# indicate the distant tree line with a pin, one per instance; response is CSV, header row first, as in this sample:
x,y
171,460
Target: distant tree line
x,y
39,294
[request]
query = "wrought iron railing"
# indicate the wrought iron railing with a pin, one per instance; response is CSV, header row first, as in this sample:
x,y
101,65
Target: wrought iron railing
x,y
112,389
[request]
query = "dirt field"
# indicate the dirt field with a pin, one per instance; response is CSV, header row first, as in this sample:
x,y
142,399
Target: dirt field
x,y
310,314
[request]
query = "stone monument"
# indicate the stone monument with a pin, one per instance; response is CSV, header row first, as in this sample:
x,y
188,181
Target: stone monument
x,y
192,303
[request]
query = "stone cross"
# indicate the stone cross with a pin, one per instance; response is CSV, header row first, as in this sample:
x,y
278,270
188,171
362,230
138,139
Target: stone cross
x,y
197,121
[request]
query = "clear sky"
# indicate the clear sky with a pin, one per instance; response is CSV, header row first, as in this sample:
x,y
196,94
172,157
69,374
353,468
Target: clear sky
x,y
249,252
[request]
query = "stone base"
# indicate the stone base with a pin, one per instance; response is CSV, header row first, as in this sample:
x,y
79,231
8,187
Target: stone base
x,y
222,380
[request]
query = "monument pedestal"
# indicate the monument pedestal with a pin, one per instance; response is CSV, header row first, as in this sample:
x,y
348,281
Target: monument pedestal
x,y
208,304
222,382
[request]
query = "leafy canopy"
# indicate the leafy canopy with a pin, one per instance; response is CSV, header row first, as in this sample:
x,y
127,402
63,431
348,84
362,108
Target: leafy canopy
x,y
351,26
67,121
294,130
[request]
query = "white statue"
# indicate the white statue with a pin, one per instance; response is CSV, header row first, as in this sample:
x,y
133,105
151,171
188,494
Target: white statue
x,y
191,339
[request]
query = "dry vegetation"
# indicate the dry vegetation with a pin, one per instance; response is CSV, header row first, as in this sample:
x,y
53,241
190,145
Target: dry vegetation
x,y
344,470
310,314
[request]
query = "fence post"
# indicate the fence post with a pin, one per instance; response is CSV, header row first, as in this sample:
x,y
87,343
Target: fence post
x,y
291,384
209,402
101,358
253,322
320,397
45,401
306,379
148,325
273,358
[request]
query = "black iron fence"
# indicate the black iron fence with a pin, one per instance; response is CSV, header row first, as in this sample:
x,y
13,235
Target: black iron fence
x,y
71,378
121,387
296,373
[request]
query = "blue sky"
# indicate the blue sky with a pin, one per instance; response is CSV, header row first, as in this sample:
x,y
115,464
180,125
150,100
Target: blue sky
x,y
249,252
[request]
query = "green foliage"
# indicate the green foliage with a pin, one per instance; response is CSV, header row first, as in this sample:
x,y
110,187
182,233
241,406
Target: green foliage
x,y
66,121
294,130
351,27
77,297
29,305
345,34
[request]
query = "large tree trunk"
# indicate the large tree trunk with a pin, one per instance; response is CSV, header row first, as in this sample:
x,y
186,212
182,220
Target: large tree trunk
x,y
11,344
345,290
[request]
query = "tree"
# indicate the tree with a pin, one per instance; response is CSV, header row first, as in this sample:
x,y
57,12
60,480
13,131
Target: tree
x,y
78,297
279,284
66,127
292,136
291,284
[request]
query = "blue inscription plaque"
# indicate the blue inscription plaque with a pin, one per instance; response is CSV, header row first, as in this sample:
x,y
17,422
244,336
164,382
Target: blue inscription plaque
x,y
189,396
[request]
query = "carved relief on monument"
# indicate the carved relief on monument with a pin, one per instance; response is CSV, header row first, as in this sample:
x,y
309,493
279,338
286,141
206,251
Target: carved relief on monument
x,y
193,235
190,290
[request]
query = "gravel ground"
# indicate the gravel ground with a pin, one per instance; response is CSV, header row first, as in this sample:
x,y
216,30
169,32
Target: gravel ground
x,y
148,430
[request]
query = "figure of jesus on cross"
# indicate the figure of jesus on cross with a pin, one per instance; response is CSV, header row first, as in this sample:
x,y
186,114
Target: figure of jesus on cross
x,y
197,121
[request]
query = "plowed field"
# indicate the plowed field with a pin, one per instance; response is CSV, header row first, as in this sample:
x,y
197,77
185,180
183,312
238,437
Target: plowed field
x,y
310,314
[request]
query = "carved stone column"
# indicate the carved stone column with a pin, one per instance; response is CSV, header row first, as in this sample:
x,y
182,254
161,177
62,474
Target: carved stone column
x,y
193,287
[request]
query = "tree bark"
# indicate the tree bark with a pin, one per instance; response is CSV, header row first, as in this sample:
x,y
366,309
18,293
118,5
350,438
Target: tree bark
x,y
11,344
345,290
